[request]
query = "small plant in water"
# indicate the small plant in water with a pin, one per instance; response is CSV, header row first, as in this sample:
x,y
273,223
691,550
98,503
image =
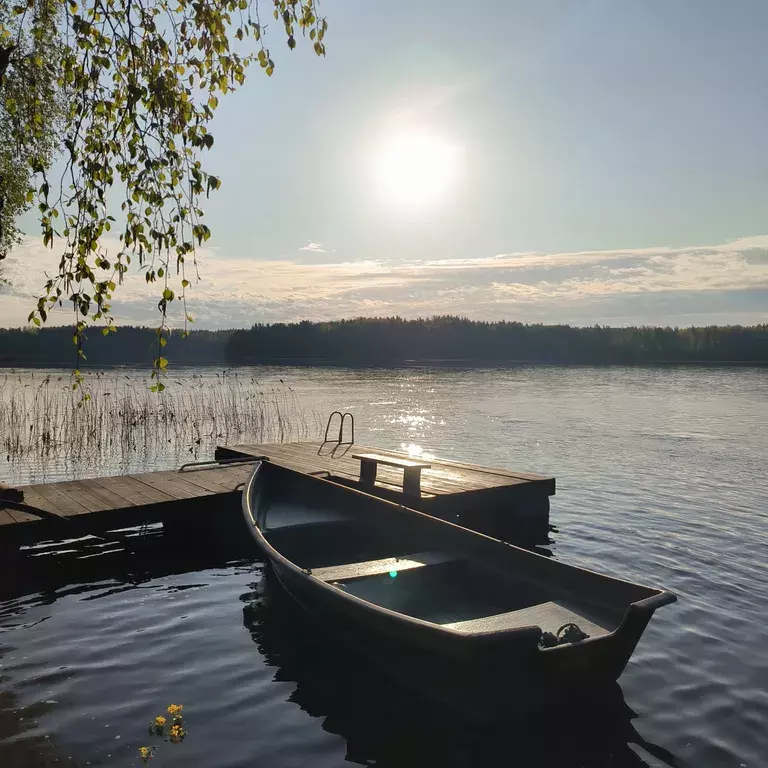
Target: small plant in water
x,y
174,731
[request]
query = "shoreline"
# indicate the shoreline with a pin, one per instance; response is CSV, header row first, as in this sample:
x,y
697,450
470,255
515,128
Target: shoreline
x,y
386,364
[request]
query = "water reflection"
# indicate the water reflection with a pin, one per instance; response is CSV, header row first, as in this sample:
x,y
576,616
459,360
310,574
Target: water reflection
x,y
379,721
38,575
383,723
48,566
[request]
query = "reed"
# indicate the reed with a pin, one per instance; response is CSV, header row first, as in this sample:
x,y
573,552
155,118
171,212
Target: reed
x,y
43,419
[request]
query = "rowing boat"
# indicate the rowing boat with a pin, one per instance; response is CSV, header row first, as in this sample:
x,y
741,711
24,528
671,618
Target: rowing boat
x,y
459,612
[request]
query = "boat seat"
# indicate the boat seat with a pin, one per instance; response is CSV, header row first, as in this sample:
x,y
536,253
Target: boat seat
x,y
349,571
549,617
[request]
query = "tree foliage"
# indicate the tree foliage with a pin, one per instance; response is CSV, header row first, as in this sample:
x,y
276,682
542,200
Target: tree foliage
x,y
124,90
29,107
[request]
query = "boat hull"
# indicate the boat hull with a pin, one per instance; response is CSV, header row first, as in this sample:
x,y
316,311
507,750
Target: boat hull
x,y
486,674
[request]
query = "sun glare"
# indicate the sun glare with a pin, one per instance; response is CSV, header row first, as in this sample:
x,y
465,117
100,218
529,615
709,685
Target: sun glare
x,y
415,169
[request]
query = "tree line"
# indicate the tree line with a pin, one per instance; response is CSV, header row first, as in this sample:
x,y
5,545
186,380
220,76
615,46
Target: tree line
x,y
53,347
394,340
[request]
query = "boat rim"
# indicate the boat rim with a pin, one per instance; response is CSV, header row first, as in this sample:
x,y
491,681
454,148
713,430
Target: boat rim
x,y
648,604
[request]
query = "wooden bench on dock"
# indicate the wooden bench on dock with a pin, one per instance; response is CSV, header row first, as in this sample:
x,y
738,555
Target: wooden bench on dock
x,y
369,464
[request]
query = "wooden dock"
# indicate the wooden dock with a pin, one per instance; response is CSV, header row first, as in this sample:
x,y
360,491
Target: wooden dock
x,y
499,502
124,493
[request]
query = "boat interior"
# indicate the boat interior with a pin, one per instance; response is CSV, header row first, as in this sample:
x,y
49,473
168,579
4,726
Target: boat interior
x,y
432,571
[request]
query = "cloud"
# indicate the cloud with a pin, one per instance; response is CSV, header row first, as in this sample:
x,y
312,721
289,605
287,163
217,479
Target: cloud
x,y
313,247
725,283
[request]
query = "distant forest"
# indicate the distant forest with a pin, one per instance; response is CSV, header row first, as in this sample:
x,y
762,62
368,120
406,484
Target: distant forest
x,y
54,346
395,340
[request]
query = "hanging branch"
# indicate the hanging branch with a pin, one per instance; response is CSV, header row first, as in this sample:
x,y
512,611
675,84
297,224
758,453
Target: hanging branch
x,y
132,86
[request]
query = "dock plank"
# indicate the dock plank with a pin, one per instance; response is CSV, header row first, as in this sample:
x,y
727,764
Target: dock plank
x,y
82,496
206,483
110,498
59,500
34,499
22,517
219,479
172,484
133,490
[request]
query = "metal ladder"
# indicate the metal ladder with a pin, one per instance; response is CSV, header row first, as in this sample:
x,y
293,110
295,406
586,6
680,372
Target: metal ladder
x,y
342,420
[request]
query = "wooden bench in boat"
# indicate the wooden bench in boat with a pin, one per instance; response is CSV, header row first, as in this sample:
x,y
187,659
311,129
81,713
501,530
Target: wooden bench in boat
x,y
369,463
350,571
548,616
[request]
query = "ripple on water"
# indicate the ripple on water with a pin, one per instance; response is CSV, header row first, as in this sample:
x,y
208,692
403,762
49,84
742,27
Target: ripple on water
x,y
661,479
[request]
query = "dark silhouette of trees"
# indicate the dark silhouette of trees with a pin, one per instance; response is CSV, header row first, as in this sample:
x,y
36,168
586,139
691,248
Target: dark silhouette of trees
x,y
53,346
393,340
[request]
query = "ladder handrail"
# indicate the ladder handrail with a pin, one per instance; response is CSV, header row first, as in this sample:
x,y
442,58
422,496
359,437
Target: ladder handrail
x,y
342,421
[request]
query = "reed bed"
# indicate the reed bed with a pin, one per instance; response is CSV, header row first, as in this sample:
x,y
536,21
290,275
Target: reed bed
x,y
43,420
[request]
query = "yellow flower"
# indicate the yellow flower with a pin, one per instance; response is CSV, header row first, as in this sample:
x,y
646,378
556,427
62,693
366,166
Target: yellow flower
x,y
159,721
175,709
144,752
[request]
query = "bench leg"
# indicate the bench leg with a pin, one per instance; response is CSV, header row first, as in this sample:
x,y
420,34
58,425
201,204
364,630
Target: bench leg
x,y
412,481
368,472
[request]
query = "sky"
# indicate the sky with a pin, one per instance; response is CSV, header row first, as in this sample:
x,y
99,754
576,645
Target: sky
x,y
549,161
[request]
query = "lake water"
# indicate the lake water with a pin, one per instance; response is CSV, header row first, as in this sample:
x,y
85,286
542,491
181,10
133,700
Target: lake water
x,y
661,479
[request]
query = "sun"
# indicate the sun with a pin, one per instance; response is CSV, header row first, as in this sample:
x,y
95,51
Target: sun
x,y
415,168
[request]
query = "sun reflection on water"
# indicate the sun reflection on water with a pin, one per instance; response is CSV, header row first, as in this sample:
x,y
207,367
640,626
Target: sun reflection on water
x,y
416,450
